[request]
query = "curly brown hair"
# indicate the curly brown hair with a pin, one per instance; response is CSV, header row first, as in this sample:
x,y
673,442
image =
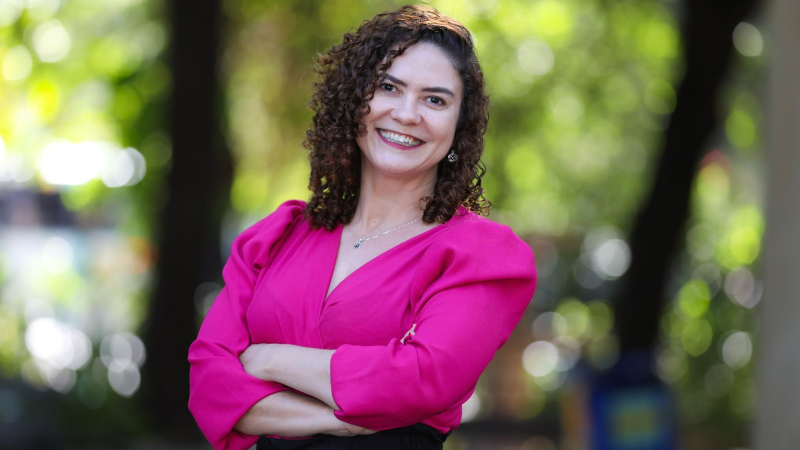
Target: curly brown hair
x,y
350,73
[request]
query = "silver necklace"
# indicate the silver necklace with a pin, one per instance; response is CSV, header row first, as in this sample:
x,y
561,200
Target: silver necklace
x,y
358,244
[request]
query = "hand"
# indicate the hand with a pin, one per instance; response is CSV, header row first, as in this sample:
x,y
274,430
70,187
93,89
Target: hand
x,y
345,429
255,360
303,369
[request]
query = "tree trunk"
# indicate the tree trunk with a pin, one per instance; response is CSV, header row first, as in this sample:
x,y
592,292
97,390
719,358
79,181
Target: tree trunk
x,y
188,242
778,366
655,239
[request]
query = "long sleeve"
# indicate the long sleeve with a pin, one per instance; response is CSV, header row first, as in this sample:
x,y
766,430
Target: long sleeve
x,y
220,390
469,291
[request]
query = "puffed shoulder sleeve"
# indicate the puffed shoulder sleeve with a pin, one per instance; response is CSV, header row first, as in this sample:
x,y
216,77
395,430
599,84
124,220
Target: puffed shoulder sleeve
x,y
469,291
220,391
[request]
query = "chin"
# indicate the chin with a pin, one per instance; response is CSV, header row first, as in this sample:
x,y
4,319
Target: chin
x,y
397,171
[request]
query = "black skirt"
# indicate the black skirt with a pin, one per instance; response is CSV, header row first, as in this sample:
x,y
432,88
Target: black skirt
x,y
415,437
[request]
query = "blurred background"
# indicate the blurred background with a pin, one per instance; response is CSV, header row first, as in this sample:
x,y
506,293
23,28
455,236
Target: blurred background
x,y
627,145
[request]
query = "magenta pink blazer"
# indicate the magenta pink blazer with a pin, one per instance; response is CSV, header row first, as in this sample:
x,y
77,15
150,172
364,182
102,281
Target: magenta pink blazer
x,y
463,286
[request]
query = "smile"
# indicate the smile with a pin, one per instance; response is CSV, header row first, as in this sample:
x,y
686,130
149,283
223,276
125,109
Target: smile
x,y
400,139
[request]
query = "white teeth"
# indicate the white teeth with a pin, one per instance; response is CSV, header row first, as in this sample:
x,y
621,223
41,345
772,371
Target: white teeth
x,y
399,138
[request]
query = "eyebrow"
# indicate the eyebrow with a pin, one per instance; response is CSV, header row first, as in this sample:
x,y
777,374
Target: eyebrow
x,y
439,90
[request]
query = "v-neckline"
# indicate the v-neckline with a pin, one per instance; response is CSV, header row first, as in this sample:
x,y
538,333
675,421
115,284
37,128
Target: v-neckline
x,y
337,234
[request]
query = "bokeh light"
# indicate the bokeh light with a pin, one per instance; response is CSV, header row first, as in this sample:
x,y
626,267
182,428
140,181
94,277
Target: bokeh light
x,y
70,164
609,255
696,337
51,41
57,344
540,358
123,354
10,11
693,299
535,57
548,325
747,40
742,287
471,408
601,318
576,316
718,380
17,64
42,9
602,353
671,365
737,349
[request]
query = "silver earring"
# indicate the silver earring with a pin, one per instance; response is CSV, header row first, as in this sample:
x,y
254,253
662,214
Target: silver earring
x,y
452,157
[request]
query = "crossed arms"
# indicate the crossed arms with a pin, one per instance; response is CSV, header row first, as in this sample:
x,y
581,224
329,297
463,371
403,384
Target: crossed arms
x,y
290,414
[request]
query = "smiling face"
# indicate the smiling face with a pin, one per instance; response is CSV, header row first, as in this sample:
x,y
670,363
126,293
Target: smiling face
x,y
413,115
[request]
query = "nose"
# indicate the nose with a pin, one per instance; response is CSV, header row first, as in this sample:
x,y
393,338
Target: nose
x,y
406,111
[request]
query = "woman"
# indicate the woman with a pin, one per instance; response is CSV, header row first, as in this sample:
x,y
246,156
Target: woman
x,y
363,318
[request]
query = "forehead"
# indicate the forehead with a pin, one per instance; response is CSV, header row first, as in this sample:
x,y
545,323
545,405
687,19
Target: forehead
x,y
426,65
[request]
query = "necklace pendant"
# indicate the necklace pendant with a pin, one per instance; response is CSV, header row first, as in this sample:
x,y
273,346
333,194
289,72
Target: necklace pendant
x,y
358,244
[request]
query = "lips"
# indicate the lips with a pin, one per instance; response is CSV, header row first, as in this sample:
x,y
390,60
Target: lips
x,y
399,139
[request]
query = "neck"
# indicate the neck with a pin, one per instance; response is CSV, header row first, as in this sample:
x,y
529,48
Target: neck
x,y
386,202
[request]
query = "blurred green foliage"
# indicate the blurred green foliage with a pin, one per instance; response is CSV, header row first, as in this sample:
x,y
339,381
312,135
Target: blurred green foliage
x,y
581,92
